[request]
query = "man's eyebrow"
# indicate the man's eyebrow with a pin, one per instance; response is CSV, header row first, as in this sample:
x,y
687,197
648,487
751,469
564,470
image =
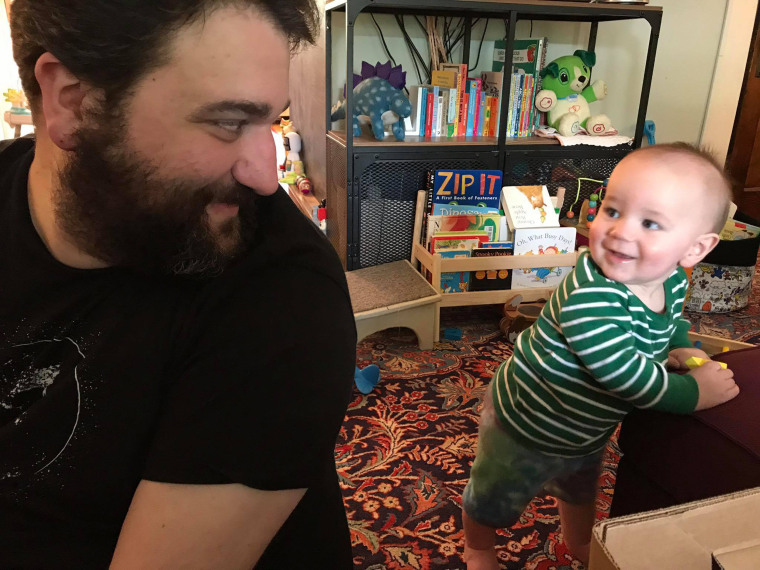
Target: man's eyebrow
x,y
253,109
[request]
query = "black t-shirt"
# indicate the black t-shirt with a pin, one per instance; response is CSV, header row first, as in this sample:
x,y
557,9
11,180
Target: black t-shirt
x,y
108,377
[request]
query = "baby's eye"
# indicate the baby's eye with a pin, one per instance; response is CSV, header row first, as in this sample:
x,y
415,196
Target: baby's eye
x,y
651,225
611,212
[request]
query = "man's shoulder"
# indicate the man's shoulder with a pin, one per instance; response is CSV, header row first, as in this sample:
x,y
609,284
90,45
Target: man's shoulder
x,y
289,244
10,149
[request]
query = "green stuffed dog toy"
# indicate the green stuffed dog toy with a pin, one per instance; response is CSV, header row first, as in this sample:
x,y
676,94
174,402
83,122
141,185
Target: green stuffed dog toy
x,y
566,93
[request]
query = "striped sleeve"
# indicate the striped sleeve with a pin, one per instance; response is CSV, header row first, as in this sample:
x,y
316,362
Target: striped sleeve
x,y
678,284
600,329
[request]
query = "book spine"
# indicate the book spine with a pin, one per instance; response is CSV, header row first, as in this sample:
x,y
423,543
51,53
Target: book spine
x,y
423,111
510,106
482,115
429,114
434,120
487,116
452,123
524,111
477,84
462,125
495,112
517,102
472,102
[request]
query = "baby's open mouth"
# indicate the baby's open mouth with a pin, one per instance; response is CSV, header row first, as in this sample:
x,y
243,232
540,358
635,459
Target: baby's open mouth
x,y
620,255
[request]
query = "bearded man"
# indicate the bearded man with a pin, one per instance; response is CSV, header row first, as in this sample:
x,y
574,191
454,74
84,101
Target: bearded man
x,y
168,395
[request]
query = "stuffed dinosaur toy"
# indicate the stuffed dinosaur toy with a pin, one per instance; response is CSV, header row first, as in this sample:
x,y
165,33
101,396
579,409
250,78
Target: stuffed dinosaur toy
x,y
377,95
565,95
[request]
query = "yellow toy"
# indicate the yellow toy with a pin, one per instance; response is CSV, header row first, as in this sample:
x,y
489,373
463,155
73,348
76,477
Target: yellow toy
x,y
18,101
696,362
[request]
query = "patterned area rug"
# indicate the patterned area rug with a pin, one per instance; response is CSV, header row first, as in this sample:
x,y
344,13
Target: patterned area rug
x,y
405,450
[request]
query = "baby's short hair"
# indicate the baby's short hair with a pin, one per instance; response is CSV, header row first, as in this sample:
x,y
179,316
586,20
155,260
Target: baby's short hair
x,y
719,187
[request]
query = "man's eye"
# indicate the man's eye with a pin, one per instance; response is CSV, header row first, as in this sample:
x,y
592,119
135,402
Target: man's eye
x,y
651,225
230,125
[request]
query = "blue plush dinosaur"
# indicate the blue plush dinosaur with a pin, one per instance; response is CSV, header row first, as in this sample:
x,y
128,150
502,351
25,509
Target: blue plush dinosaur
x,y
377,98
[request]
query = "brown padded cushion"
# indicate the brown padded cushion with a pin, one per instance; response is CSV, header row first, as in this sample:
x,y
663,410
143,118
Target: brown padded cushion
x,y
670,459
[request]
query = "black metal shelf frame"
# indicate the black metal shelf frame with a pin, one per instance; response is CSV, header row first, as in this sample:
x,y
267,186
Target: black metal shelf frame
x,y
359,157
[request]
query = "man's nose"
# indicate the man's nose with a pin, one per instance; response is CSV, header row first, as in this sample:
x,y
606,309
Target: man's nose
x,y
256,165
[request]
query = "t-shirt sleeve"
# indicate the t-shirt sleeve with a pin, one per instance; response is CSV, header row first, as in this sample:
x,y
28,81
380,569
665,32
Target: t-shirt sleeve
x,y
261,396
599,329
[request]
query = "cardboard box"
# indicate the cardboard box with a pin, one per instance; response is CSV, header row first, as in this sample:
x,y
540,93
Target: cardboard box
x,y
680,537
745,556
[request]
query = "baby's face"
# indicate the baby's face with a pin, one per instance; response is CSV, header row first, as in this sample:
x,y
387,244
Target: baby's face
x,y
649,220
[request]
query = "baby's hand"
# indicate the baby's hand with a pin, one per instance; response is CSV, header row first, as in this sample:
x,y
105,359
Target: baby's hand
x,y
716,384
678,356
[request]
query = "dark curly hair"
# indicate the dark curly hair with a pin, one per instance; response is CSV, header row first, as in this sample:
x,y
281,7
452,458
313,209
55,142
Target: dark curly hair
x,y
113,43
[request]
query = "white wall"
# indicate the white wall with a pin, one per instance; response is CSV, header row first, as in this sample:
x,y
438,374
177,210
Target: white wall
x,y
691,38
8,74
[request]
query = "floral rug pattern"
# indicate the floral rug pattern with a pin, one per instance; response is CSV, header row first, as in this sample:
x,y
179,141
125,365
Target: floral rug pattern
x,y
404,451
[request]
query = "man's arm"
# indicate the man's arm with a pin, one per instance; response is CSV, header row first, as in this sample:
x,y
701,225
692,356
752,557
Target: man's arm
x,y
200,526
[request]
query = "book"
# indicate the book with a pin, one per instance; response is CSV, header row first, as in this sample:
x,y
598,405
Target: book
x,y
469,187
482,113
452,209
525,55
473,105
491,279
541,241
510,102
445,78
454,281
461,86
528,207
488,223
412,122
457,240
492,87
423,112
429,113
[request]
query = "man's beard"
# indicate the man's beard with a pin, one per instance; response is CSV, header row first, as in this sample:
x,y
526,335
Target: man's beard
x,y
118,208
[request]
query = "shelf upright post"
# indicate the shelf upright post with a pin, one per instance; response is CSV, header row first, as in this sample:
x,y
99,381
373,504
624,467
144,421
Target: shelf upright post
x,y
505,85
592,35
466,42
654,19
352,204
328,68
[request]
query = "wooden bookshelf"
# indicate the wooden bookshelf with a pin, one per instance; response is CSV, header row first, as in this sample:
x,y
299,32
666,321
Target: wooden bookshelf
x,y
417,141
437,265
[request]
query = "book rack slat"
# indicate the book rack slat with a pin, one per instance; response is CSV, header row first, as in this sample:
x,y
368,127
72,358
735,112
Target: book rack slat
x,y
436,265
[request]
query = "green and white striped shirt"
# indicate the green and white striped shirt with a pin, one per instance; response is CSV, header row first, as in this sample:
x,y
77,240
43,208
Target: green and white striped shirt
x,y
595,352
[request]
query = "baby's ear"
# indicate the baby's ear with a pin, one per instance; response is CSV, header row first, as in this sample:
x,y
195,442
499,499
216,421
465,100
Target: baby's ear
x,y
703,245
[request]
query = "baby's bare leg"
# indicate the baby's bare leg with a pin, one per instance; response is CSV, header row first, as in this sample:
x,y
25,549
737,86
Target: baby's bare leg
x,y
479,545
576,522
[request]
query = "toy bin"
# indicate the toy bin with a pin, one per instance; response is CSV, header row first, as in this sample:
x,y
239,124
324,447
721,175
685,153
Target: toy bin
x,y
722,281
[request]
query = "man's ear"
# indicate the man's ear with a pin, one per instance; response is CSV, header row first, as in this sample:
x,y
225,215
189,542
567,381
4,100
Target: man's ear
x,y
62,99
703,245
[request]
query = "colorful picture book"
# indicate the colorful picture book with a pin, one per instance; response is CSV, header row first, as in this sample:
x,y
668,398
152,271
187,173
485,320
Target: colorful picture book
x,y
491,279
541,241
467,187
454,281
489,223
528,207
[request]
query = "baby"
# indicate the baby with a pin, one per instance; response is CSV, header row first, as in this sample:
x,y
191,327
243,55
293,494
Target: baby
x,y
601,346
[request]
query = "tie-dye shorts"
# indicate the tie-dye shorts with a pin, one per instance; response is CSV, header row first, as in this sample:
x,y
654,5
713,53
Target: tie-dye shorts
x,y
506,475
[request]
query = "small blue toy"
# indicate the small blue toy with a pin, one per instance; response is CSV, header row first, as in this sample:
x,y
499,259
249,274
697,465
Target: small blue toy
x,y
378,95
452,334
367,378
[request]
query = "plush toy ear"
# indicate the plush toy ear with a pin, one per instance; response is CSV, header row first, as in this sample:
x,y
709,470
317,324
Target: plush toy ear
x,y
587,57
551,69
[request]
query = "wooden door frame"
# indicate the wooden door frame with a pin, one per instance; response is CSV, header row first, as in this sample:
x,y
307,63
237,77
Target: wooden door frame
x,y
747,122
